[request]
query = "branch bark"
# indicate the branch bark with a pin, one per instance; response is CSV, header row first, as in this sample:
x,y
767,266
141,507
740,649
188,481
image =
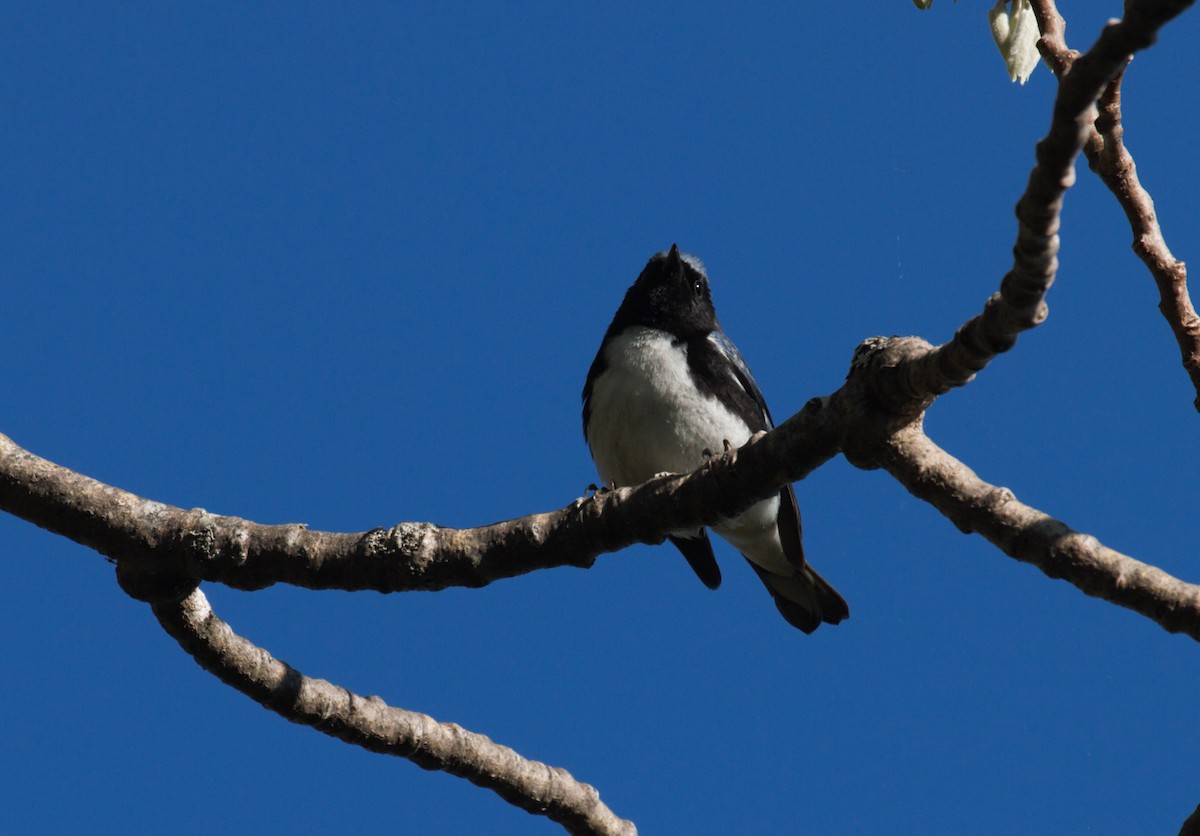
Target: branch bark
x,y
1108,156
1031,536
155,544
373,724
850,420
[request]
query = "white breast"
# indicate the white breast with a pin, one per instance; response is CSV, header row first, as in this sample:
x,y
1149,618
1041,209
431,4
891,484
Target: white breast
x,y
648,417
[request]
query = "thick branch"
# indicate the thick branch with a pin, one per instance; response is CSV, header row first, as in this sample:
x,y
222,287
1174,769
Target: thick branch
x,y
1110,159
1031,536
151,538
371,723
1020,304
851,420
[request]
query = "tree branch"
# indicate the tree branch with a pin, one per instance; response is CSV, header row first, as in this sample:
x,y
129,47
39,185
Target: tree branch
x,y
148,538
1020,304
1110,159
374,725
849,420
1031,536
163,552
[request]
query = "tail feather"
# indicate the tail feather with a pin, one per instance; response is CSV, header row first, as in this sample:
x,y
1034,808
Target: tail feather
x,y
699,553
805,600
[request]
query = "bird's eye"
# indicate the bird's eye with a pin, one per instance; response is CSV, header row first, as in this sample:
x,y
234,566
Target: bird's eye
x,y
698,287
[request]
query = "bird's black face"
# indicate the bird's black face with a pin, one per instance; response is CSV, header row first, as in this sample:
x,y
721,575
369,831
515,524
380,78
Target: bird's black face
x,y
671,294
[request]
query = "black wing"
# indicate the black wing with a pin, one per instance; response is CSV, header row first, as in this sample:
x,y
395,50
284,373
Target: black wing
x,y
717,368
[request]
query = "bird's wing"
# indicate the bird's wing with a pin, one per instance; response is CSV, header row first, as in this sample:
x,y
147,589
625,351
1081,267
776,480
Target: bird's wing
x,y
805,599
744,396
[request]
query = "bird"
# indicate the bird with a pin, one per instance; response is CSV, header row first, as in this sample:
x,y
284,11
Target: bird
x,y
666,389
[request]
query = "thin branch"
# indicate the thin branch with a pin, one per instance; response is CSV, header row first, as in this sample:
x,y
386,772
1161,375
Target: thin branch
x,y
371,723
1110,159
1032,536
1117,169
1020,304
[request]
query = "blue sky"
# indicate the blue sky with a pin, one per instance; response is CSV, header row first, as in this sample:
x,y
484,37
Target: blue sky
x,y
348,266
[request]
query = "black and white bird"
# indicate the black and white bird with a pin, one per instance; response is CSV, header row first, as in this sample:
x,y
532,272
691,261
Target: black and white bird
x,y
668,388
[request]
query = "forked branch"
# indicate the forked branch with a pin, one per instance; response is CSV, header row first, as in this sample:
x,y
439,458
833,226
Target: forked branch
x,y
163,553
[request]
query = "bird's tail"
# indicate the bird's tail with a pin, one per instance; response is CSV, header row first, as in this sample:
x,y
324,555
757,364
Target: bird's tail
x,y
805,600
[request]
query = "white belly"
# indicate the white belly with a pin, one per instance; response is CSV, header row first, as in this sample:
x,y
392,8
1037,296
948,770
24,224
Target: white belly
x,y
648,417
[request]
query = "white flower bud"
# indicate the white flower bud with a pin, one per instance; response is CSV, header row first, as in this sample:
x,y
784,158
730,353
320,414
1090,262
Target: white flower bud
x,y
1016,34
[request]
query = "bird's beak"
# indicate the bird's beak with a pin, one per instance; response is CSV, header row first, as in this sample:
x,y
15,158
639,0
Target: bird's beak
x,y
674,262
